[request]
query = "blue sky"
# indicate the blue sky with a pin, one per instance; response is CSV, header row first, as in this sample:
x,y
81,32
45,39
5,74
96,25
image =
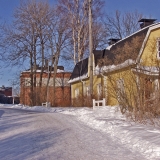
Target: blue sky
x,y
149,8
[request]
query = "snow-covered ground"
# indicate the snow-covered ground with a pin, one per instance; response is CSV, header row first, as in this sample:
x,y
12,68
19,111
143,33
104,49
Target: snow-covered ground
x,y
143,139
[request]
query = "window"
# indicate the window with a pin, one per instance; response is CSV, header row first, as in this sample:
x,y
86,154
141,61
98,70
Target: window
x,y
156,84
156,88
151,88
120,89
120,85
76,92
27,82
158,48
87,90
99,90
148,88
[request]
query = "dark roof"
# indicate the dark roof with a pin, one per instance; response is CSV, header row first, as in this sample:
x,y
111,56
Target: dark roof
x,y
80,69
101,54
113,40
117,51
147,20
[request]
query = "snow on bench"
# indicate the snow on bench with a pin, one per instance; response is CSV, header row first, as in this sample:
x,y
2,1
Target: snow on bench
x,y
98,103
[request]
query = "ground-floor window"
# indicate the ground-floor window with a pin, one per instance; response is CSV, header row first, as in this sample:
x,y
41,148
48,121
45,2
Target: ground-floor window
x,y
151,88
120,88
99,90
76,92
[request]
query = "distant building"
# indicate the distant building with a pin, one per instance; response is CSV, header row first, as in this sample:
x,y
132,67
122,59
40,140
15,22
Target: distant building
x,y
7,91
62,88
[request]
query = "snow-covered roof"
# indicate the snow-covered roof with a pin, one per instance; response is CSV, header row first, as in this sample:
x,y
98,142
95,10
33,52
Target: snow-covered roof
x,y
147,70
45,71
110,68
80,71
111,55
78,78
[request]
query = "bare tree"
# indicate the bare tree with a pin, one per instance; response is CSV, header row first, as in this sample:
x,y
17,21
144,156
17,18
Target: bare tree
x,y
37,33
58,39
76,11
120,25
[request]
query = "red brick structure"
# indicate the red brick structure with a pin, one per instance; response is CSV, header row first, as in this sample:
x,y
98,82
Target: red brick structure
x,y
7,91
62,95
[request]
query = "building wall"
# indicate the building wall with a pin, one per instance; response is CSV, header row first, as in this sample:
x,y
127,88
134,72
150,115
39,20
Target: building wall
x,y
62,91
7,91
81,85
148,58
123,81
149,54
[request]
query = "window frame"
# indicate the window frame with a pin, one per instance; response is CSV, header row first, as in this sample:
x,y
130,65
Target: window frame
x,y
76,91
158,48
99,90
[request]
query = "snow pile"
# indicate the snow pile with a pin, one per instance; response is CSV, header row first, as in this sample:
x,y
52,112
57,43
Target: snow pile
x,y
136,137
35,108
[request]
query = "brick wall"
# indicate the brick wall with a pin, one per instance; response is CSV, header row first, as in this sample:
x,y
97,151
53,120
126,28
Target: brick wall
x,y
62,91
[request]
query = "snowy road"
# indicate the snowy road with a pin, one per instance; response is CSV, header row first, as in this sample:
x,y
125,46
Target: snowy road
x,y
28,135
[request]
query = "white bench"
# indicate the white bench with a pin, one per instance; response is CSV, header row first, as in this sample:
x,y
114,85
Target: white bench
x,y
46,104
99,103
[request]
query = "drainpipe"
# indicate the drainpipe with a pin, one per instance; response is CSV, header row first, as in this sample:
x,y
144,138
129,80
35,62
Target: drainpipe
x,y
82,88
105,88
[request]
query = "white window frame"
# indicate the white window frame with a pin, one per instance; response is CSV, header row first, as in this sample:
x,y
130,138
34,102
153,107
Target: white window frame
x,y
99,90
87,90
76,92
156,84
27,82
158,48
120,86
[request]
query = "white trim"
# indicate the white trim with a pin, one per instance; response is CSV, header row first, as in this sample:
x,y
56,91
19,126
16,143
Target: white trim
x,y
76,91
99,90
85,76
109,47
158,48
110,68
156,85
105,87
155,26
151,71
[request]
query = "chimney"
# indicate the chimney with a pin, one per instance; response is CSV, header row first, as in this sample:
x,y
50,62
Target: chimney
x,y
146,22
113,41
60,67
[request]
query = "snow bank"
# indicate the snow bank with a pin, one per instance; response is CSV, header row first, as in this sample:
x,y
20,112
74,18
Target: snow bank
x,y
142,138
136,137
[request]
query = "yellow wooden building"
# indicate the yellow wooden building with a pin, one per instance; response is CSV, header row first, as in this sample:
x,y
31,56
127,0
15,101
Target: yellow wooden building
x,y
127,71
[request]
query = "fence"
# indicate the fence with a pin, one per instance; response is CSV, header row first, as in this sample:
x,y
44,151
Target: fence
x,y
99,103
46,104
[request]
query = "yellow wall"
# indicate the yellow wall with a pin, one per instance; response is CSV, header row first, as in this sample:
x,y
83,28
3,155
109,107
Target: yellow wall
x,y
149,54
86,82
129,85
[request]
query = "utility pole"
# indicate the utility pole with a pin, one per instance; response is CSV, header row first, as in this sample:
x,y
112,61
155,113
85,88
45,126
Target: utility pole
x,y
90,48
